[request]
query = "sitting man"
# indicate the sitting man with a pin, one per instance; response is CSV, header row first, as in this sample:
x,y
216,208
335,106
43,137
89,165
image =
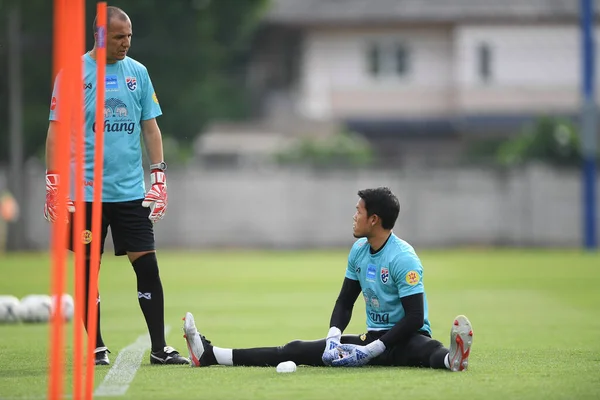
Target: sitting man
x,y
389,274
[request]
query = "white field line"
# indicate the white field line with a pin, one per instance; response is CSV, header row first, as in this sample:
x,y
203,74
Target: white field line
x,y
121,374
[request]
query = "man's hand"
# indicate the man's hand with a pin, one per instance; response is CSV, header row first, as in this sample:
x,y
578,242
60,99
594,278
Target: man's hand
x,y
52,202
332,343
156,198
351,355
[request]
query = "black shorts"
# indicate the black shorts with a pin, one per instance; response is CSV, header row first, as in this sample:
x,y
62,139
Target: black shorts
x,y
130,227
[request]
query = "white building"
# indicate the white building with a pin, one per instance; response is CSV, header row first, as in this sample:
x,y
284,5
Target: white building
x,y
420,68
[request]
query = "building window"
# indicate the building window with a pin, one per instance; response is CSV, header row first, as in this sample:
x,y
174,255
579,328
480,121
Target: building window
x,y
385,59
401,60
374,59
484,62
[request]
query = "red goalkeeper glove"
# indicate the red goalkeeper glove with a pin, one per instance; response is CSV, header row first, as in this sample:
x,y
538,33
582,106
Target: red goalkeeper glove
x,y
156,198
52,202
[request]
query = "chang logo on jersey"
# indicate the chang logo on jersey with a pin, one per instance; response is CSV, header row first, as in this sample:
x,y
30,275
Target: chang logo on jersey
x,y
371,299
115,108
379,318
116,117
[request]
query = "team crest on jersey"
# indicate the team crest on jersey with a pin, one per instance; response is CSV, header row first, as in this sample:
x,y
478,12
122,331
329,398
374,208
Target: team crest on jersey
x,y
412,278
384,275
363,337
131,83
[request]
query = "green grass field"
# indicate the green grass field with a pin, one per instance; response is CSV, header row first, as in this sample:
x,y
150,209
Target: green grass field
x,y
536,318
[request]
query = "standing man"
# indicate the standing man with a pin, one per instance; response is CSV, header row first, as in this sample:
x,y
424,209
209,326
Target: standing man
x,y
131,108
389,274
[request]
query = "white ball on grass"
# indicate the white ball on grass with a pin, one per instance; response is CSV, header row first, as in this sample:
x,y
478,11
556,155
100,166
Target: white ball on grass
x,y
286,367
9,309
35,308
68,306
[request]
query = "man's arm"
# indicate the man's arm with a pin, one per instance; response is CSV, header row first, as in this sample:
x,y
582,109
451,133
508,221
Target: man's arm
x,y
350,355
153,140
340,318
156,198
52,178
342,311
51,146
414,318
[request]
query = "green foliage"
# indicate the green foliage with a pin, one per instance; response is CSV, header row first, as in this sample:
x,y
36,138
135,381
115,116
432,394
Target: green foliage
x,y
195,51
549,140
341,149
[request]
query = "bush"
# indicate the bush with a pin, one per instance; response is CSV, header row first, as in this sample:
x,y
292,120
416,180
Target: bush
x,y
550,140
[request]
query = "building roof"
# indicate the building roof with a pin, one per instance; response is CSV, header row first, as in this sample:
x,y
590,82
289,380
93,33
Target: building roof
x,y
319,12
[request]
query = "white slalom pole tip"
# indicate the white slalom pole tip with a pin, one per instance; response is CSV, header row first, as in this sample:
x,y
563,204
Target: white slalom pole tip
x,y
286,366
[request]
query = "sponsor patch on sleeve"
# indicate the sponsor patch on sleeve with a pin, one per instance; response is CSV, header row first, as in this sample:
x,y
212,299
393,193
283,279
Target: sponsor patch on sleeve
x,y
412,278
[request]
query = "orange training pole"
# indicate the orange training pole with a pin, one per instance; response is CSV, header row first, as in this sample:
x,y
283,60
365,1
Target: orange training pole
x,y
97,205
59,227
78,49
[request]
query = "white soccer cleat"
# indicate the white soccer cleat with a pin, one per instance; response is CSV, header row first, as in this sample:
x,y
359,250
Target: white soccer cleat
x,y
193,339
461,339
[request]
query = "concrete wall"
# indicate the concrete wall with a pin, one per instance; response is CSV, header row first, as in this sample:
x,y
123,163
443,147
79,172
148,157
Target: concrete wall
x,y
299,209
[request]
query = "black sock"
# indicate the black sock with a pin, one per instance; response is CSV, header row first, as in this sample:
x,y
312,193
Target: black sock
x,y
99,341
151,299
298,351
258,357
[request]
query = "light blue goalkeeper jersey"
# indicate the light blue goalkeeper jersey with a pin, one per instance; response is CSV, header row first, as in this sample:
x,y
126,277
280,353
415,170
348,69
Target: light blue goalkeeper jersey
x,y
129,99
395,271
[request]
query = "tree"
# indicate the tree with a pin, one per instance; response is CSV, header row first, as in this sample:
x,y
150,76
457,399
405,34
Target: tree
x,y
550,140
195,51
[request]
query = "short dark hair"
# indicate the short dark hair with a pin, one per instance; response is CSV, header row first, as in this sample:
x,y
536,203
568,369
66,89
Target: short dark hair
x,y
383,203
111,12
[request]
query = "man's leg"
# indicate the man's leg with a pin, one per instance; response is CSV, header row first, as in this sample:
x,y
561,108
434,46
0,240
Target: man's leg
x,y
101,349
204,354
101,353
299,351
420,351
423,351
150,295
133,234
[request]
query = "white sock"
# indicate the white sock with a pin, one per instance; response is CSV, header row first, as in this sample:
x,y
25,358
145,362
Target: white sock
x,y
447,361
223,356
